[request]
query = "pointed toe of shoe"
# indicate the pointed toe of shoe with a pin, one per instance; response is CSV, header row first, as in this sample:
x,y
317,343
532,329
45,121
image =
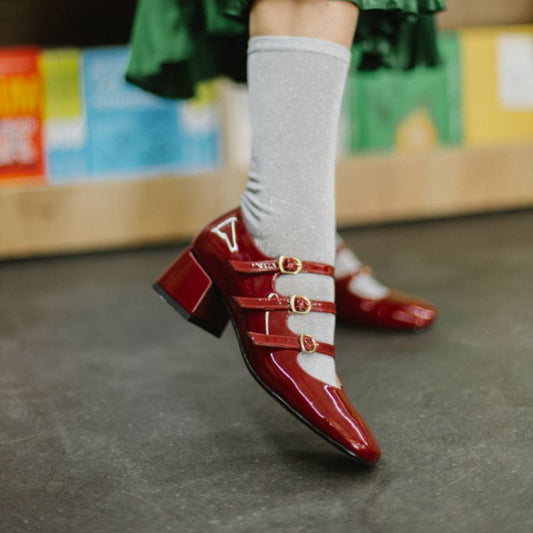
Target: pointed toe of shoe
x,y
324,408
327,410
351,431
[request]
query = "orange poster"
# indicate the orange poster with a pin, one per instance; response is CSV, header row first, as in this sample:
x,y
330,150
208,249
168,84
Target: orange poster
x,y
21,144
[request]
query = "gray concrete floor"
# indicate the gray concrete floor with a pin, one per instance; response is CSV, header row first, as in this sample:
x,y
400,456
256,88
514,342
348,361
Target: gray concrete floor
x,y
116,415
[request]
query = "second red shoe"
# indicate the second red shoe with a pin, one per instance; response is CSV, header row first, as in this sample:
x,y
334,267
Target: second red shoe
x,y
223,276
393,309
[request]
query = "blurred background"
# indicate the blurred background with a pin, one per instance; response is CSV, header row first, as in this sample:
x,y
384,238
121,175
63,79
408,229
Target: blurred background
x,y
116,415
88,162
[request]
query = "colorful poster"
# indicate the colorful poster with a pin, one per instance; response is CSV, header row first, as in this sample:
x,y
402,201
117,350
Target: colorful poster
x,y
65,124
133,133
498,84
402,111
21,146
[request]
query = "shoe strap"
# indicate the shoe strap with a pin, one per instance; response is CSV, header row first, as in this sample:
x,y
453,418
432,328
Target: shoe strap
x,y
303,343
297,304
284,264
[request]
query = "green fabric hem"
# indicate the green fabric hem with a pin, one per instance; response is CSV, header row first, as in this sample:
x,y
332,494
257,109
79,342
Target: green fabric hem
x,y
407,6
240,9
176,44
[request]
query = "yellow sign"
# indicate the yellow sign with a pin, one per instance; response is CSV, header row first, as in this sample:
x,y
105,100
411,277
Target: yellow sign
x,y
497,84
60,70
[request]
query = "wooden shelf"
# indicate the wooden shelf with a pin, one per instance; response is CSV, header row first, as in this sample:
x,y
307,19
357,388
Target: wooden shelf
x,y
112,214
90,216
435,183
461,13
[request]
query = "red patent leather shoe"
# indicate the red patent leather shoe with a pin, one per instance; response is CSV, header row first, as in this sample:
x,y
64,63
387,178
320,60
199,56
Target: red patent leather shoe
x,y
396,310
223,276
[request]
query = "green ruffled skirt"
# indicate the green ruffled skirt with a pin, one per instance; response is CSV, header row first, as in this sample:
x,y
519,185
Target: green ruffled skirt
x,y
177,44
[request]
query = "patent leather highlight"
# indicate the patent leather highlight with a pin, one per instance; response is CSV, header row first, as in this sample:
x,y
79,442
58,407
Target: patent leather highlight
x,y
397,310
240,273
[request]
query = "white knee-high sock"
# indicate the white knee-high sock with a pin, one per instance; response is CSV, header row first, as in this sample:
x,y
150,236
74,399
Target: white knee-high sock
x,y
295,88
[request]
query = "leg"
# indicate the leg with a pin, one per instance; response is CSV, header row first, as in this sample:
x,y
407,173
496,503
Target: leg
x,y
361,299
296,84
282,308
321,19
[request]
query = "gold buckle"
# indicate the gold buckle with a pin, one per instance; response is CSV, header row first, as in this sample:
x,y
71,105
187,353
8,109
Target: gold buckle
x,y
307,302
307,338
283,270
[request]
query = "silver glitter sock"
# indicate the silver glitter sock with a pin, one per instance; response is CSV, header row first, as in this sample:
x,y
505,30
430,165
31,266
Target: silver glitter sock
x,y
295,89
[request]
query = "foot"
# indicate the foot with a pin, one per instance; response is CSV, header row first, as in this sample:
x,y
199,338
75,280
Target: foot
x,y
224,276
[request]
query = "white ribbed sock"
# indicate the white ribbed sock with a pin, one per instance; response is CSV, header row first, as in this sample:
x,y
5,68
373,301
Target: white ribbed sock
x,y
295,88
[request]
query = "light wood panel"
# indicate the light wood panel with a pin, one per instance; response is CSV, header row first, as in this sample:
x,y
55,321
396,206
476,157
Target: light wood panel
x,y
433,184
48,220
45,220
462,13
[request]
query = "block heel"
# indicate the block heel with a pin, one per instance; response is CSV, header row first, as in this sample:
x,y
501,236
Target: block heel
x,y
189,289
